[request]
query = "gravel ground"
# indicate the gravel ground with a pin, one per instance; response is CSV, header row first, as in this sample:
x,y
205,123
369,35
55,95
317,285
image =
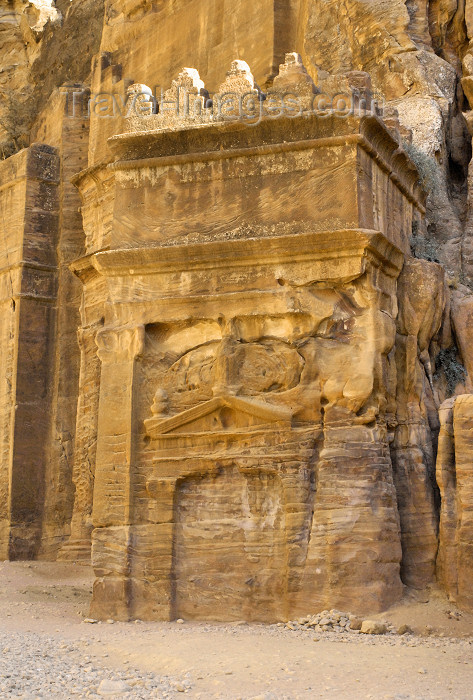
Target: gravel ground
x,y
36,666
48,650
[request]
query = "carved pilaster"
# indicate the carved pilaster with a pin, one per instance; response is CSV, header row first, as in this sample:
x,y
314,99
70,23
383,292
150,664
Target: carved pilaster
x,y
85,446
118,349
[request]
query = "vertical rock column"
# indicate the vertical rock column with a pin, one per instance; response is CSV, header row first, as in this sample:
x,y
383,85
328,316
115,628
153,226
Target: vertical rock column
x,y
446,479
29,229
78,545
422,302
354,553
64,124
463,434
455,479
112,512
355,550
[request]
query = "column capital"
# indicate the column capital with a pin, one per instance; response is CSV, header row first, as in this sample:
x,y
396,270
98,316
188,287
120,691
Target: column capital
x,y
116,345
87,334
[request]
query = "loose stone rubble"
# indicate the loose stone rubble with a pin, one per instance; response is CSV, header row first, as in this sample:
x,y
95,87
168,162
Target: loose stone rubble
x,y
35,666
340,622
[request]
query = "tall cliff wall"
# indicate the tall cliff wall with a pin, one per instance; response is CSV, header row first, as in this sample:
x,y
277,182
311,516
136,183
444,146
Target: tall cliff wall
x,y
418,58
417,54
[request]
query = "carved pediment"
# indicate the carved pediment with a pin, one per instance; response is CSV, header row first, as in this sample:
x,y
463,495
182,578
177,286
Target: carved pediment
x,y
219,414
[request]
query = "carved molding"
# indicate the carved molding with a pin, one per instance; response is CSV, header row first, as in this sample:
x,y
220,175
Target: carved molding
x,y
157,426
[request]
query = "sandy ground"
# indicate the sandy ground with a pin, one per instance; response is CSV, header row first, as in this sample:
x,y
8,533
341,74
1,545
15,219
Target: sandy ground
x,y
48,651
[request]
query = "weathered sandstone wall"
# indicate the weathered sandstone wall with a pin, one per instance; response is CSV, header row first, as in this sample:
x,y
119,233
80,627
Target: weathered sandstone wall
x,y
239,338
68,132
43,45
29,212
454,477
60,471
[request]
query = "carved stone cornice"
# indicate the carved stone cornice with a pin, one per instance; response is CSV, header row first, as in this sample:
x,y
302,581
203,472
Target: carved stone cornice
x,y
321,246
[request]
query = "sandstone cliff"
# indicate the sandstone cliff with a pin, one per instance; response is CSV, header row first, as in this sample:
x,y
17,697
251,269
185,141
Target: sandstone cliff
x,y
379,429
43,44
417,54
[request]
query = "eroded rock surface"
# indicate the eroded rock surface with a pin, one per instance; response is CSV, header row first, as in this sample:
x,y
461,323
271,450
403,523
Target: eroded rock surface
x,y
245,369
455,479
239,456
